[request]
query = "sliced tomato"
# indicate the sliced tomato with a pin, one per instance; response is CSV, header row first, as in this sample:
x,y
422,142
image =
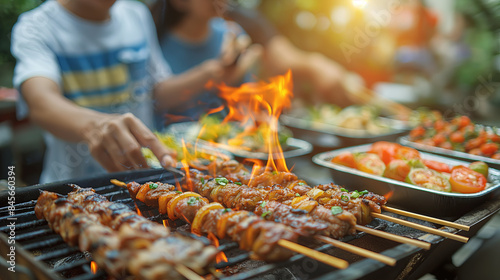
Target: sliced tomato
x,y
429,179
465,180
406,153
436,165
457,137
462,121
475,143
370,163
439,125
476,152
346,159
439,138
417,132
397,169
385,150
489,149
493,137
446,145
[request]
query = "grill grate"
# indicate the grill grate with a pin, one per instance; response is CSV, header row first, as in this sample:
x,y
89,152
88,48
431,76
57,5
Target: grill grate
x,y
45,246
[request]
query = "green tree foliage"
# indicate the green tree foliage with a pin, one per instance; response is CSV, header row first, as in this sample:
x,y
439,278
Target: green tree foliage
x,y
9,12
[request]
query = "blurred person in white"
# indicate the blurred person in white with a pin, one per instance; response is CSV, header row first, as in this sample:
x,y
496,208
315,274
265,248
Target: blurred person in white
x,y
87,71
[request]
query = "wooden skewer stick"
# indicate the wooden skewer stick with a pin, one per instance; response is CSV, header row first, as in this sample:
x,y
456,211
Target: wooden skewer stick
x,y
394,237
426,218
421,227
357,250
313,254
188,273
118,183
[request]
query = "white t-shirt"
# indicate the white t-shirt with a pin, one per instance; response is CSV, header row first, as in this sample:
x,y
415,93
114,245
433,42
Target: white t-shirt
x,y
108,66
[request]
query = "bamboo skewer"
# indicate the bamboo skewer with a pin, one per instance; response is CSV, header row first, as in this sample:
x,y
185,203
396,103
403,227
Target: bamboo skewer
x,y
421,227
313,254
118,183
357,250
188,273
426,218
394,237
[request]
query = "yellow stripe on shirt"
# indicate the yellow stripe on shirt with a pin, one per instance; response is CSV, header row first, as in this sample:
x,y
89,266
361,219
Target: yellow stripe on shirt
x,y
103,100
94,80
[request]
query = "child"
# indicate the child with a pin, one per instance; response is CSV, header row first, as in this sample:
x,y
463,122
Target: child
x,y
86,70
200,46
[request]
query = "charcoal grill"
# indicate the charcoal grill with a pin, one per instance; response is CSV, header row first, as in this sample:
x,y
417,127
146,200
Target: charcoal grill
x,y
42,254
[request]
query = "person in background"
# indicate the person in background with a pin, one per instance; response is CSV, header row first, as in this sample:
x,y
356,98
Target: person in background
x,y
87,71
330,81
199,46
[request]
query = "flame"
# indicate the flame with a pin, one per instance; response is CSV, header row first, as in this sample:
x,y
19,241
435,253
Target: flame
x,y
186,219
189,183
138,210
215,110
165,223
257,106
256,169
388,195
220,257
93,267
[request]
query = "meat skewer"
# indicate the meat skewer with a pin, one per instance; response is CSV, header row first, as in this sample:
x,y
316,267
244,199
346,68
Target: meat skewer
x,y
267,240
118,251
365,206
297,220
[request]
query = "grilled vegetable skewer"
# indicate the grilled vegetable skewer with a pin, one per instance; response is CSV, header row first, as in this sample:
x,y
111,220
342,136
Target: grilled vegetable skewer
x,y
296,218
263,238
365,205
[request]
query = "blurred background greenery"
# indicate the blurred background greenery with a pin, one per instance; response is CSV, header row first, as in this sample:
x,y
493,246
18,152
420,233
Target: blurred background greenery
x,y
9,11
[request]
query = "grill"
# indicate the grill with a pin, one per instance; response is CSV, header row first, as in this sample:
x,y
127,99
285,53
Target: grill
x,y
42,254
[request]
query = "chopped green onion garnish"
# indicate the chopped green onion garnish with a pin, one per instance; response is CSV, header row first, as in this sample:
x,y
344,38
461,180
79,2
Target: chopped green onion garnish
x,y
344,198
297,194
363,192
275,172
263,204
178,191
355,194
202,180
337,210
301,184
238,183
343,190
153,186
265,214
222,181
192,200
226,210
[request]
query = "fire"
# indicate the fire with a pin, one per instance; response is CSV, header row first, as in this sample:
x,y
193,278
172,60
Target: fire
x,y
258,106
93,267
215,110
189,183
166,223
388,195
138,210
220,257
